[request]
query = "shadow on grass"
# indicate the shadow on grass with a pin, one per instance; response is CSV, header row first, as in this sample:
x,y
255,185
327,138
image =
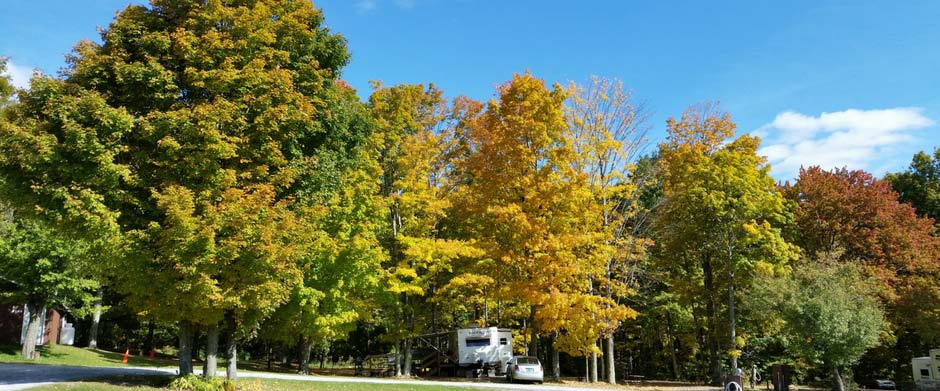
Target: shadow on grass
x,y
116,358
9,349
262,366
155,381
16,350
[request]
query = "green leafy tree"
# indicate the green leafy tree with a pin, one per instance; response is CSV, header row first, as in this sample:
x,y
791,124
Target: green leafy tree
x,y
41,268
340,284
188,136
719,224
919,185
6,86
831,314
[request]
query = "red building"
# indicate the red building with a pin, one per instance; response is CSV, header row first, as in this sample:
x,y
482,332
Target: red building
x,y
53,330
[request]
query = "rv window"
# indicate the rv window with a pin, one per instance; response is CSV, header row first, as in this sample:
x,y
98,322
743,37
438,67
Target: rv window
x,y
477,342
925,373
503,341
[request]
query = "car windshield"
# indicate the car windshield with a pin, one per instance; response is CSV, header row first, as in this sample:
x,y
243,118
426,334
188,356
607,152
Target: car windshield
x,y
527,361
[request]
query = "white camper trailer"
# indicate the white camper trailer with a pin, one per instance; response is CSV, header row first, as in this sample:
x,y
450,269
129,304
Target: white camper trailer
x,y
488,346
463,352
926,371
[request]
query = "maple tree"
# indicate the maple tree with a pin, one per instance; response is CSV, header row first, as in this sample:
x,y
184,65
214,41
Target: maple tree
x,y
339,265
411,139
533,213
187,135
608,130
721,216
858,219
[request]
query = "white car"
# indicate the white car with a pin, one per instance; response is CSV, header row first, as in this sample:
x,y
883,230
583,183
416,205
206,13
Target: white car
x,y
885,385
524,368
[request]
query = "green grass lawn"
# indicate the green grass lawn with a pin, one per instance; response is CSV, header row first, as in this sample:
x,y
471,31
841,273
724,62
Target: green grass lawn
x,y
155,383
70,355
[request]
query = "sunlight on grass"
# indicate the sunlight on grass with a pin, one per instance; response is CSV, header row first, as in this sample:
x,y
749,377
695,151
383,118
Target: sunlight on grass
x,y
158,382
70,355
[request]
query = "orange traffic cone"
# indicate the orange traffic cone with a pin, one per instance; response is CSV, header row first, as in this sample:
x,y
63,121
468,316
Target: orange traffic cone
x,y
126,353
151,354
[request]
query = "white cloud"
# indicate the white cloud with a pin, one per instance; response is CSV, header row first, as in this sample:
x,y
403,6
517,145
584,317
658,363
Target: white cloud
x,y
19,75
857,139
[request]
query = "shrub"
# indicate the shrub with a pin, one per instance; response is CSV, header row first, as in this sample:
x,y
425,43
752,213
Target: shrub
x,y
199,383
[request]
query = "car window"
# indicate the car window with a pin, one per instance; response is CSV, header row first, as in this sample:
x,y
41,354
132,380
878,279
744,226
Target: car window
x,y
527,361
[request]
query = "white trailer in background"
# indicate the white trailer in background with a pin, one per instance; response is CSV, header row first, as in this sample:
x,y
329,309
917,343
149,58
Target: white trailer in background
x,y
463,352
489,346
926,371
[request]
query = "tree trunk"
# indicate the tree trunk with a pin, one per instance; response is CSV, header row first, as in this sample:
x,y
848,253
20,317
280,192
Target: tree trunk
x,y
587,368
32,330
711,320
95,319
267,355
399,347
231,348
594,363
186,348
609,356
212,352
150,331
837,384
533,341
556,365
406,365
305,349
672,346
734,339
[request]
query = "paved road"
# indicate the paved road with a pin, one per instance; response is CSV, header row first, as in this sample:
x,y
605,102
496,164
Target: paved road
x,y
23,376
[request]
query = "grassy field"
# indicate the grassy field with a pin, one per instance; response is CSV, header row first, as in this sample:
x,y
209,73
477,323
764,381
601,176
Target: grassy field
x,y
70,355
157,383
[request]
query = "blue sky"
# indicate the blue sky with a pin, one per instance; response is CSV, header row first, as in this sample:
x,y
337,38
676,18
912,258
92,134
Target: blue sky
x,y
845,83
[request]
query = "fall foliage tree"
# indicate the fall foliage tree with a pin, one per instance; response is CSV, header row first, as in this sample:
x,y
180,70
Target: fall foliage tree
x,y
411,140
534,215
719,224
857,218
608,132
188,134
